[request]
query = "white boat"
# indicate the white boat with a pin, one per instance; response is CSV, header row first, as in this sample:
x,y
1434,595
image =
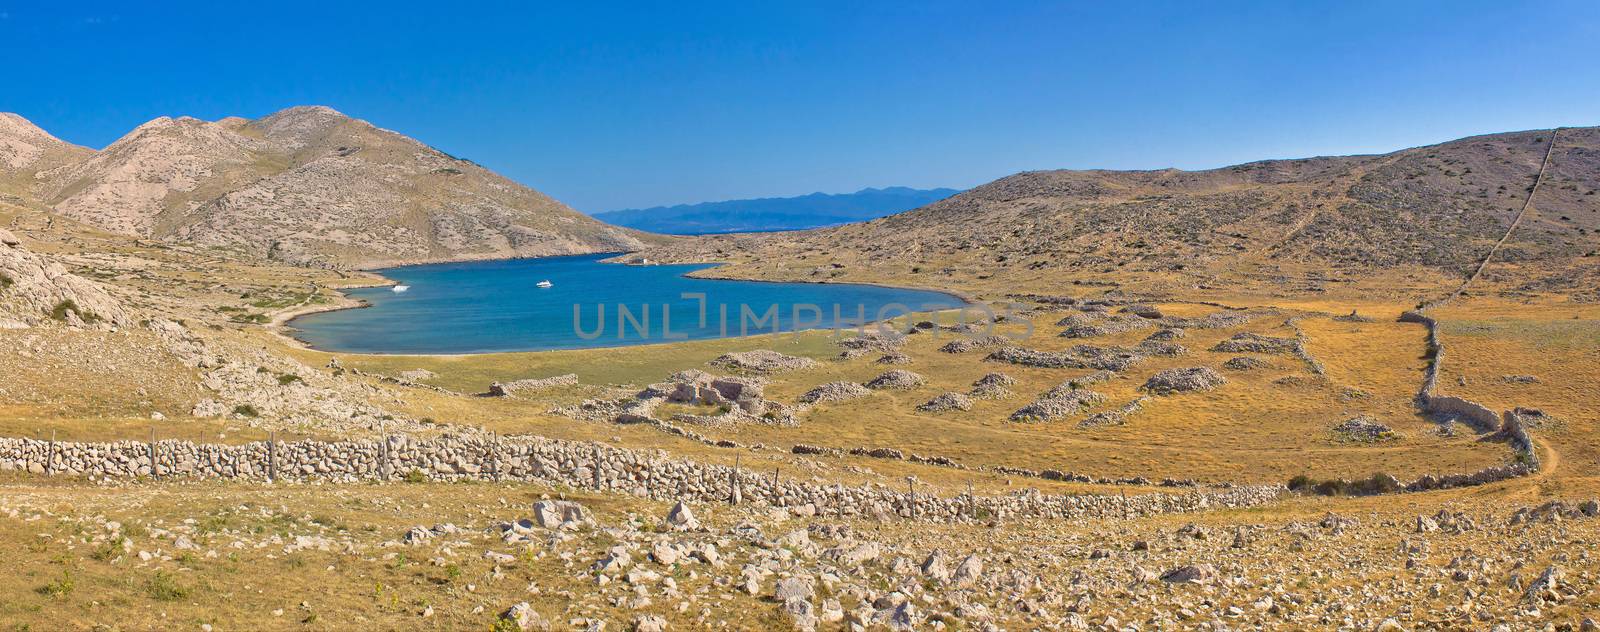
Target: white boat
x,y
544,284
401,288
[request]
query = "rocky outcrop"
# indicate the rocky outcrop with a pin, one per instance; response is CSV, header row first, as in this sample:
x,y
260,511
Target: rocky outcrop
x,y
35,290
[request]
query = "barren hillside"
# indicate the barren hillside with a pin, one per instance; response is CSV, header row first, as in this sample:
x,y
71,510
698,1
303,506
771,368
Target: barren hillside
x,y
1440,207
306,185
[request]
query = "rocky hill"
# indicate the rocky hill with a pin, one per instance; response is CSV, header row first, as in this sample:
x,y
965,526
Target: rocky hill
x,y
1442,207
306,185
25,151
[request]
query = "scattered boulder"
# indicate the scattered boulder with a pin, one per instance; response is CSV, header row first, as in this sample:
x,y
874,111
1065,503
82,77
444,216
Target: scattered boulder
x,y
1195,574
560,514
793,587
523,616
1185,380
649,623
681,518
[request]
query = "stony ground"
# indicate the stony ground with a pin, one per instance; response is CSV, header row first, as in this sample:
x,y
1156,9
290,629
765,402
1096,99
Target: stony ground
x,y
429,556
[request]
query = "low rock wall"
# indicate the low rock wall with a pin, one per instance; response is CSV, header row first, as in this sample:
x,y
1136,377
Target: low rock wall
x,y
594,466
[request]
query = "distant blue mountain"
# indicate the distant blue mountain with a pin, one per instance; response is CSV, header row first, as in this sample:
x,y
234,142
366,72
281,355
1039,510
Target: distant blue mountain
x,y
770,214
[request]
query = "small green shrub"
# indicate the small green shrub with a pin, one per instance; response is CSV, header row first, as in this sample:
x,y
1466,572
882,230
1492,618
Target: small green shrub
x,y
163,587
415,475
288,378
58,588
60,311
6,281
246,410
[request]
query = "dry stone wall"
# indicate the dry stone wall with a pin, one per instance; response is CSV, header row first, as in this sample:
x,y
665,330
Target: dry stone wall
x,y
580,465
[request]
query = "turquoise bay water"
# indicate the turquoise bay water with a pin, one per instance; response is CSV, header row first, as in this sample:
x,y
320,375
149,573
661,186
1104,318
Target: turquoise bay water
x,y
495,306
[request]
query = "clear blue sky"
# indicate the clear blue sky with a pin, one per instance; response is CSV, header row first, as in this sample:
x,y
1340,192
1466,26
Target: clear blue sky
x,y
617,106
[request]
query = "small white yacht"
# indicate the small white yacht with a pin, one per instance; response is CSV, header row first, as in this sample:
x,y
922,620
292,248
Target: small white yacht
x,y
401,288
544,284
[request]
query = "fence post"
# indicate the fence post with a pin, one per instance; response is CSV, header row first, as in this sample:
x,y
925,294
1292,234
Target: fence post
x,y
911,496
733,482
972,503
383,453
597,468
155,456
272,456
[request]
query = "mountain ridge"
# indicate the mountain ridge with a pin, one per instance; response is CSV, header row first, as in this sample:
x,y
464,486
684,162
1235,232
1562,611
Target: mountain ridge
x,y
775,213
1439,207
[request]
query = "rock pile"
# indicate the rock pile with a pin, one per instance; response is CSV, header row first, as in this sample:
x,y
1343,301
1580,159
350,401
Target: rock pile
x,y
894,357
898,379
964,345
1245,363
1364,429
1058,403
1184,380
947,402
1114,417
507,389
834,392
1167,333
1246,342
1078,357
762,361
993,386
1107,326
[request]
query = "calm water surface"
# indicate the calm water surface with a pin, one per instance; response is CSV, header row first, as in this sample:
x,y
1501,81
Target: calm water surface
x,y
494,306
